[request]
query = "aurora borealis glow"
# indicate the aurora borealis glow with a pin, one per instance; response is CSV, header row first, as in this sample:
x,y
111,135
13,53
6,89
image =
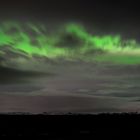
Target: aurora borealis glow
x,y
69,56
35,40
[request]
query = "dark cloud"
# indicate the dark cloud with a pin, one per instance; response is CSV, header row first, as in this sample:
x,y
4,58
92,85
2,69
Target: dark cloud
x,y
10,75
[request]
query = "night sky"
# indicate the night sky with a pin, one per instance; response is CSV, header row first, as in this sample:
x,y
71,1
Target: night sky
x,y
30,81
99,17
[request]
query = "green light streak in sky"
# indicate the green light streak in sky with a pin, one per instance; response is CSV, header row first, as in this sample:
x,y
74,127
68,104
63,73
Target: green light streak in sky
x,y
35,40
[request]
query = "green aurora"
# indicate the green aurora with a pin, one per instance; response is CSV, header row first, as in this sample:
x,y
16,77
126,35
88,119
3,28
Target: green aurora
x,y
72,41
